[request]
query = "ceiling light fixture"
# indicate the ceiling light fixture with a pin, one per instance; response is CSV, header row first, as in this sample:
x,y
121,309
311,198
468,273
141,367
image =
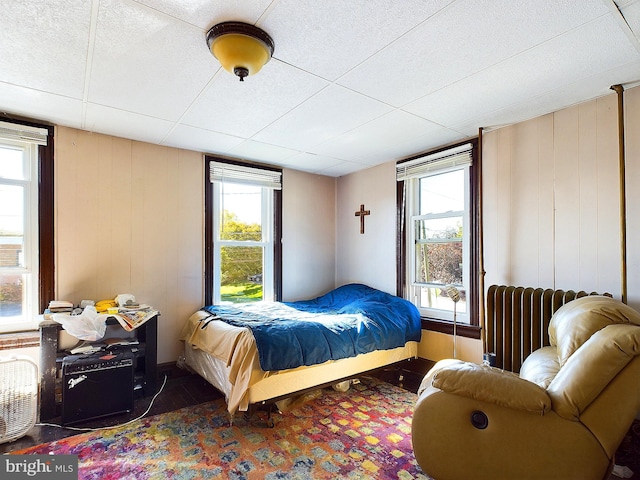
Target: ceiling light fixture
x,y
241,48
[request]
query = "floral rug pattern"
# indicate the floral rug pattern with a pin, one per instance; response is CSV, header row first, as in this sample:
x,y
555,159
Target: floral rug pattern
x,y
359,434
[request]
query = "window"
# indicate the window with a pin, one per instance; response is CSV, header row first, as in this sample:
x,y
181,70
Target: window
x,y
243,239
25,177
437,212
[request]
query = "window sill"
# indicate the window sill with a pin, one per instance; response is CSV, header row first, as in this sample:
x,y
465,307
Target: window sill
x,y
10,341
462,330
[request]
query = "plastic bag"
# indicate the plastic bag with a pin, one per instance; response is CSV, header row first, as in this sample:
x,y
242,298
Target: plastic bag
x,y
89,325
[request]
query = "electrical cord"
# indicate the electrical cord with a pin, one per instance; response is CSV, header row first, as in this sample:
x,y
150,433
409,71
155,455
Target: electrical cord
x,y
164,382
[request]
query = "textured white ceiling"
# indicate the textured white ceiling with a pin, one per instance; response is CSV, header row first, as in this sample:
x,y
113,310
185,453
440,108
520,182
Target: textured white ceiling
x,y
353,83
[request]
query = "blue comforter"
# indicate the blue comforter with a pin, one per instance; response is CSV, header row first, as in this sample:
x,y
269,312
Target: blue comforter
x,y
345,322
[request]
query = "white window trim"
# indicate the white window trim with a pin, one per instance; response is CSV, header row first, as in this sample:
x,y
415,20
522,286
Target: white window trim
x,y
31,267
414,285
267,242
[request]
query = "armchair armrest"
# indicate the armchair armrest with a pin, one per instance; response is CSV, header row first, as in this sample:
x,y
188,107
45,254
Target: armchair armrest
x,y
492,385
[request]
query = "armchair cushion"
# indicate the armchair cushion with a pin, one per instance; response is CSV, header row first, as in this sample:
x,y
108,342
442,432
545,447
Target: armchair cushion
x,y
590,369
541,366
492,385
574,323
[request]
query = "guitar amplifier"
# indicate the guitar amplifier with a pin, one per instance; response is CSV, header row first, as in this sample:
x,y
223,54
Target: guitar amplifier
x,y
96,385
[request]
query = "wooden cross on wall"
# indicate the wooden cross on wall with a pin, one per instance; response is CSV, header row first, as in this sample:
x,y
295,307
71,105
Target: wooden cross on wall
x,y
361,213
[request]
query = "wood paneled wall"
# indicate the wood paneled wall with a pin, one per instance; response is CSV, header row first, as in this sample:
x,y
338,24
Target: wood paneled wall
x,y
129,219
368,258
551,199
308,235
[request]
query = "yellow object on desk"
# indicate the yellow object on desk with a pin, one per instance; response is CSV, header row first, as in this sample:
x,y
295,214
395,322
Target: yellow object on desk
x,y
103,305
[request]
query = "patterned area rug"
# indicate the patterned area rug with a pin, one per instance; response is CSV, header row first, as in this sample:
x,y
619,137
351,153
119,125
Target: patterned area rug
x,y
359,434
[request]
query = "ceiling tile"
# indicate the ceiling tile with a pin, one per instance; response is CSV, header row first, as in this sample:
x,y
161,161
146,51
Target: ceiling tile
x,y
45,47
146,62
244,108
369,143
463,39
429,141
193,138
542,69
631,12
330,38
259,151
309,162
205,13
344,168
55,109
331,112
123,124
556,99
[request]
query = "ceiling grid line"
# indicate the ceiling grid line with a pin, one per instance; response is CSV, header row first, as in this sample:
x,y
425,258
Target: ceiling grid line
x,y
95,5
352,84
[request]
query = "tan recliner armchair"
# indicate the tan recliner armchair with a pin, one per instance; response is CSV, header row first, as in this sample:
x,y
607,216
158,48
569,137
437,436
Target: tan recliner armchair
x,y
562,417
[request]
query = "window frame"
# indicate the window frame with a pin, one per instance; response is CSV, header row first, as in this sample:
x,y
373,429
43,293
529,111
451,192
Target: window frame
x,y
414,202
44,182
404,258
210,233
27,268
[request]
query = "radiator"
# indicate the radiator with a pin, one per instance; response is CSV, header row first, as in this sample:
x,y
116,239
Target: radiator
x,y
517,321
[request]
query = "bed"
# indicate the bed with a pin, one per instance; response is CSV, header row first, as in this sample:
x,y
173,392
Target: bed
x,y
264,351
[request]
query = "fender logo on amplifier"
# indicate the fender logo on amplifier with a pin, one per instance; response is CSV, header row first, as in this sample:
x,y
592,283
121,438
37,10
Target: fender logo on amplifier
x,y
74,381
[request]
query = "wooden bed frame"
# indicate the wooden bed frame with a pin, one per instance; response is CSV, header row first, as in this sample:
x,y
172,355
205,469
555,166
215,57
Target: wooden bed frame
x,y
279,385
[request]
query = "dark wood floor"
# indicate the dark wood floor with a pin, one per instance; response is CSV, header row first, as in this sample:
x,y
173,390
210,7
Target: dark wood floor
x,y
628,454
183,390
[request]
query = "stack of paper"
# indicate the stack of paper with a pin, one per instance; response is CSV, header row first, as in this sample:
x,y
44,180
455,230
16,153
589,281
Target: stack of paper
x,y
58,306
130,319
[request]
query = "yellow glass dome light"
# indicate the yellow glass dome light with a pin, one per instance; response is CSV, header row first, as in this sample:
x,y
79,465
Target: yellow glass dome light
x,y
241,48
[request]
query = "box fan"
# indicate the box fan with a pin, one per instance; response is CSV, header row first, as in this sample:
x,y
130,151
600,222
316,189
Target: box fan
x,y
18,397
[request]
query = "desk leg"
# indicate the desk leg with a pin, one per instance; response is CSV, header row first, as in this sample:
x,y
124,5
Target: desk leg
x,y
48,370
149,330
